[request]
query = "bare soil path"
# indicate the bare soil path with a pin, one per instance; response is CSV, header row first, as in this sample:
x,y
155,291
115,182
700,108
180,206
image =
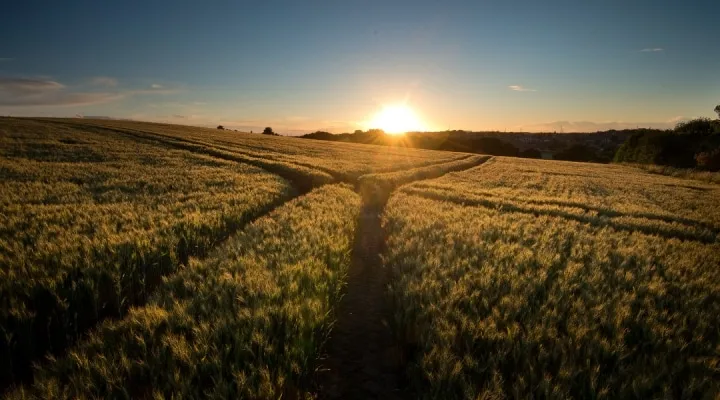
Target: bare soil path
x,y
362,360
361,357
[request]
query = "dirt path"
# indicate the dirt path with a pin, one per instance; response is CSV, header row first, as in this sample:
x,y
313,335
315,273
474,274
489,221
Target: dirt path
x,y
361,360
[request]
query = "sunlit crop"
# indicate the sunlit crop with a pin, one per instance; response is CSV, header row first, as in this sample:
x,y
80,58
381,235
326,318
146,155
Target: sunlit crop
x,y
546,279
344,161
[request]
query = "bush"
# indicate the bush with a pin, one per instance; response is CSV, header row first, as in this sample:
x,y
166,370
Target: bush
x,y
699,126
708,160
268,131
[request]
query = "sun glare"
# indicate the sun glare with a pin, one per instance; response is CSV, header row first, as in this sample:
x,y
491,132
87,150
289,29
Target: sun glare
x,y
396,120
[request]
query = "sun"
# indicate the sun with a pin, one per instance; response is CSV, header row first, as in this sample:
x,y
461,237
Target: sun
x,y
396,119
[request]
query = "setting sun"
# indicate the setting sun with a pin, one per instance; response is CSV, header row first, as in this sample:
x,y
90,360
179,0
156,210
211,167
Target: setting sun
x,y
396,119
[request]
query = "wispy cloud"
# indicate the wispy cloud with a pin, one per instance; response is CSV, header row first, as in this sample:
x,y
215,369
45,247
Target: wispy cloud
x,y
153,91
157,88
677,119
39,92
18,92
22,86
519,88
6,59
104,81
652,50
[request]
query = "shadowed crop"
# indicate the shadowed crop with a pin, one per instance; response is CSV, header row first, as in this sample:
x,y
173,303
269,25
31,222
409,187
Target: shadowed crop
x,y
91,222
244,323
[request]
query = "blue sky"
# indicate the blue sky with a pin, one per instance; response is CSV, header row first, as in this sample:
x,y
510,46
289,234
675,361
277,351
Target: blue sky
x,y
306,65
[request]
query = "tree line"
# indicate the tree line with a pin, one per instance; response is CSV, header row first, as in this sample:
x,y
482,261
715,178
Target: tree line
x,y
692,144
468,142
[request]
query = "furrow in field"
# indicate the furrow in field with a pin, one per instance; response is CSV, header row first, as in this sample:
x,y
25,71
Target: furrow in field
x,y
303,178
344,161
666,230
376,188
598,211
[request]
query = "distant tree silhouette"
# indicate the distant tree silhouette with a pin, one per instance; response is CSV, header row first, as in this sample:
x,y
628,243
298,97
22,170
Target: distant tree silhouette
x,y
698,126
359,132
320,135
717,110
268,131
220,127
577,152
692,144
531,153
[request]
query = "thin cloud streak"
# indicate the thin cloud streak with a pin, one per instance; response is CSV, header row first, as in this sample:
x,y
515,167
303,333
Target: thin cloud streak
x,y
652,50
29,92
519,88
20,86
104,81
152,91
590,126
61,99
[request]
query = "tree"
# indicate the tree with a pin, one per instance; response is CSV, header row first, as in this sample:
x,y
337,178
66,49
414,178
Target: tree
x,y
221,127
717,110
697,126
268,131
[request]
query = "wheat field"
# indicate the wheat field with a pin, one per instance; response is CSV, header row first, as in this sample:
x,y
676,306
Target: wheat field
x,y
142,260
557,280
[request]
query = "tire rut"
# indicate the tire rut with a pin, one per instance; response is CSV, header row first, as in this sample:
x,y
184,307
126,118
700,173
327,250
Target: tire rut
x,y
362,359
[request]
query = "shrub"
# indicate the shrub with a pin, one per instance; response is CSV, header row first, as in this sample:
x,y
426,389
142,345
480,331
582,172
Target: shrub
x,y
708,160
